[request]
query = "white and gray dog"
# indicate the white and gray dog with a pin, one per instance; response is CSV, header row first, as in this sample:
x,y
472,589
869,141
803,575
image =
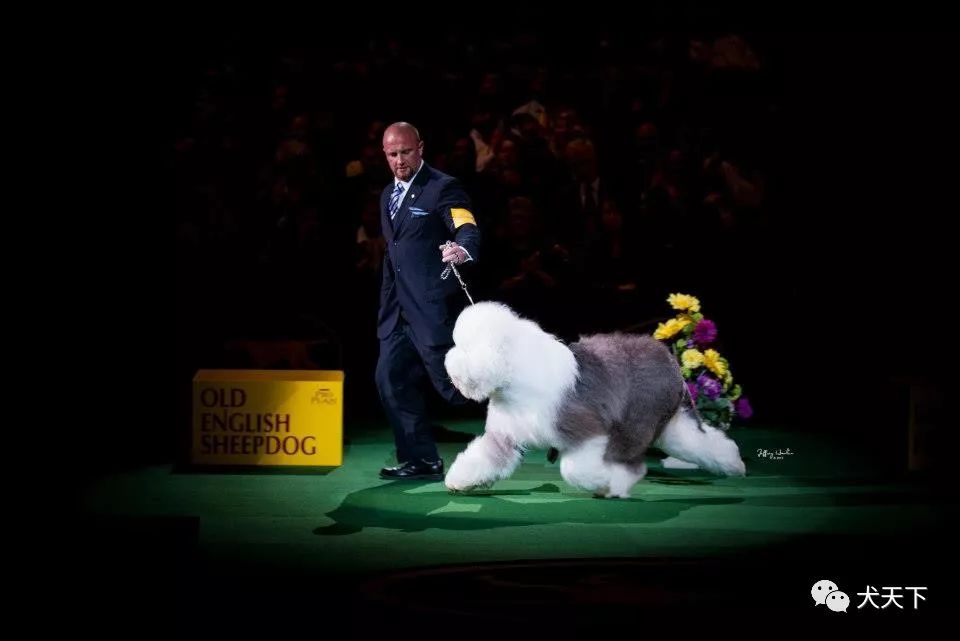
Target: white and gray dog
x,y
601,402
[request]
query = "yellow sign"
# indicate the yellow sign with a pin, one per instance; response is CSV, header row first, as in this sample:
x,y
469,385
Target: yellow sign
x,y
268,417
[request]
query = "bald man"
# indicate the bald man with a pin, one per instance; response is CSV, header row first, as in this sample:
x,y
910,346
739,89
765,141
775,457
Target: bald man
x,y
421,210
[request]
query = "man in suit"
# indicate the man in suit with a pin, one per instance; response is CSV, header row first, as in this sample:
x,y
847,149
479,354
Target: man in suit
x,y
421,209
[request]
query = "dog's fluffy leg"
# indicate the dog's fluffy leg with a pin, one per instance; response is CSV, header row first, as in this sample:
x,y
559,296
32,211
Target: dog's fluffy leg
x,y
487,459
708,448
622,478
584,467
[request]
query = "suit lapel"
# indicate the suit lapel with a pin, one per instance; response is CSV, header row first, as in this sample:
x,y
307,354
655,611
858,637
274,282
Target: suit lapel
x,y
386,224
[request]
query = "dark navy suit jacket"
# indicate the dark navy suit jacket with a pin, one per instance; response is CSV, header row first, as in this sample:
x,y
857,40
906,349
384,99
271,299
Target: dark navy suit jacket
x,y
434,210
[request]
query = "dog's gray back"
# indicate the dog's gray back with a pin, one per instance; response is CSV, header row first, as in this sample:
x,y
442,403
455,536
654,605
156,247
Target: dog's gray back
x,y
628,387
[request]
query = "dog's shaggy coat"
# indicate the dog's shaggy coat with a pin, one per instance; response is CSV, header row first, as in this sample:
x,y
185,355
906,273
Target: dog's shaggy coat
x,y
601,402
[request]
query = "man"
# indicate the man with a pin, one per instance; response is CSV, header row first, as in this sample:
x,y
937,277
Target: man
x,y
422,209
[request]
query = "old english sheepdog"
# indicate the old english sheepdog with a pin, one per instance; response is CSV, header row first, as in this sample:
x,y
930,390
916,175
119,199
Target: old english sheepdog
x,y
601,402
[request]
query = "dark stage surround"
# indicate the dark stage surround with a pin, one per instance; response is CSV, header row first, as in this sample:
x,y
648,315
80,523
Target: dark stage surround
x,y
863,179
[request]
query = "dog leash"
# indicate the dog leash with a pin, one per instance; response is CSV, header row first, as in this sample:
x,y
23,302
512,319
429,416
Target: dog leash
x,y
451,267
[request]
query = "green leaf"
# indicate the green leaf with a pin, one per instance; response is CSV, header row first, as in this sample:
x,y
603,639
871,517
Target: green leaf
x,y
710,405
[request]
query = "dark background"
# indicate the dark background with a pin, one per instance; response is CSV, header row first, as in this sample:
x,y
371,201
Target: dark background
x,y
832,296
828,294
831,292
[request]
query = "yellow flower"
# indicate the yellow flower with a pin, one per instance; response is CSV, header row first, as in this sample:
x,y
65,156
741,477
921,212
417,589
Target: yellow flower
x,y
692,358
670,328
684,302
714,362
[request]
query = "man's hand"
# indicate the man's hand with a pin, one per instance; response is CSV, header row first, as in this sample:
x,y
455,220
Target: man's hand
x,y
453,253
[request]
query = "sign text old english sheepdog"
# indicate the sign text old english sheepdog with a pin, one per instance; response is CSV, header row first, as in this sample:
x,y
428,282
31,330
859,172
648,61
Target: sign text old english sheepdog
x,y
267,417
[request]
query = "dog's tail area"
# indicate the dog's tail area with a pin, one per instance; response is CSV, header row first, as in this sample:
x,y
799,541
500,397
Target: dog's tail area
x,y
689,439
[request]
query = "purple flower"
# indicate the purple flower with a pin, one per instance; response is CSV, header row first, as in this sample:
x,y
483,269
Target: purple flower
x,y
705,332
742,407
709,386
693,390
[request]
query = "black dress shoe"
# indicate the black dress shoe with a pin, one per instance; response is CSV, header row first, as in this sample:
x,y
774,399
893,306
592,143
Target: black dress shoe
x,y
416,469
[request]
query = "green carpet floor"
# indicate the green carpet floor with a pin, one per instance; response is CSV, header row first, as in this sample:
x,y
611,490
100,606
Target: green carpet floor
x,y
825,510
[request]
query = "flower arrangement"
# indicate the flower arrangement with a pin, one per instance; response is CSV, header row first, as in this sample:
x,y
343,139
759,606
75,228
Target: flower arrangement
x,y
707,373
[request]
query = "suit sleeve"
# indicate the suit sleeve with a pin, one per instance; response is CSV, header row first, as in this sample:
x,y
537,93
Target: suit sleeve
x,y
457,212
386,276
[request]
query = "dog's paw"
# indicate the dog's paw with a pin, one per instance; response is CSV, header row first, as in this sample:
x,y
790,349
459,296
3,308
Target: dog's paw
x,y
601,493
673,463
739,468
604,493
455,481
465,488
457,488
615,495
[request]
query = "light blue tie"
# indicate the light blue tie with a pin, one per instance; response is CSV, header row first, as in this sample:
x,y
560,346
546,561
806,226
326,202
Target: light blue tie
x,y
395,200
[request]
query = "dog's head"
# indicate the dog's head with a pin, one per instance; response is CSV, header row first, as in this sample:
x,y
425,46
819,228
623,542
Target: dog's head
x,y
479,362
